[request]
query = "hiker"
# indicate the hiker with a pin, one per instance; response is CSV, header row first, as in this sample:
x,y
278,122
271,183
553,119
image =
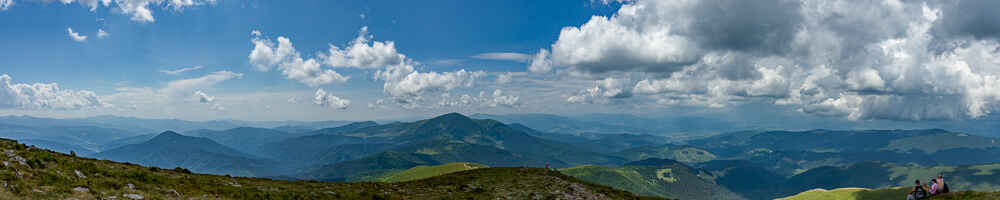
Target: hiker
x,y
918,192
942,186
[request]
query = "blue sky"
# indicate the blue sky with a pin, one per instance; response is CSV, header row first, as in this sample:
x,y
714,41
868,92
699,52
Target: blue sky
x,y
909,61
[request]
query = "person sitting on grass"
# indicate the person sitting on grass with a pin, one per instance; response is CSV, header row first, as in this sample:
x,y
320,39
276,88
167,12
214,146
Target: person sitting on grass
x,y
918,192
942,186
934,187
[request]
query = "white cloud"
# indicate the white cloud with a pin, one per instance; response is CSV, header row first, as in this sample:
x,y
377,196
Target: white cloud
x,y
360,54
204,98
266,55
210,100
329,100
45,96
504,78
541,62
406,84
510,56
503,100
175,96
604,89
4,4
139,10
75,36
181,70
218,107
293,100
908,60
185,86
447,62
93,4
101,34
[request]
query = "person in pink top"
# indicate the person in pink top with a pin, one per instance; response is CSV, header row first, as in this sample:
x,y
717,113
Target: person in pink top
x,y
934,187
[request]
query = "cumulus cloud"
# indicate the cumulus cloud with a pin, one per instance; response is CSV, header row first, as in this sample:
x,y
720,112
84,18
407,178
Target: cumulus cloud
x,y
541,62
266,55
181,70
210,100
75,36
509,56
329,100
203,98
904,60
503,100
504,78
139,10
495,99
101,34
608,88
4,4
362,52
45,96
407,85
93,4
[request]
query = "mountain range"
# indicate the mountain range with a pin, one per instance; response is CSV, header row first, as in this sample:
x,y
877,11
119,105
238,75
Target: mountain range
x,y
732,165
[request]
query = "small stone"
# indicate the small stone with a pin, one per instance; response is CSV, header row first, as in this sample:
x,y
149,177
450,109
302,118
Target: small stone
x,y
133,196
79,174
81,189
131,187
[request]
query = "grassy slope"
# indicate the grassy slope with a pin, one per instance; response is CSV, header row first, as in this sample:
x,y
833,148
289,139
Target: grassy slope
x,y
887,193
851,194
673,181
421,172
32,173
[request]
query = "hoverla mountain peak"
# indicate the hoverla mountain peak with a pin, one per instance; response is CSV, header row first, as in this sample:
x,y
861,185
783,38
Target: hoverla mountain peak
x,y
168,134
451,118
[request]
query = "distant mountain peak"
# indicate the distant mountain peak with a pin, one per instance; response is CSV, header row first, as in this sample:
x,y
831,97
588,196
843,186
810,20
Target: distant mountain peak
x,y
170,134
452,116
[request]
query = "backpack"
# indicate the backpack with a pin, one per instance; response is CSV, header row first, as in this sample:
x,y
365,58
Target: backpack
x,y
945,189
920,192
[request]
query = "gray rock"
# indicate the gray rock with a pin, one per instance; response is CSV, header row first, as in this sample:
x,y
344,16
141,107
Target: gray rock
x,y
81,189
79,174
133,196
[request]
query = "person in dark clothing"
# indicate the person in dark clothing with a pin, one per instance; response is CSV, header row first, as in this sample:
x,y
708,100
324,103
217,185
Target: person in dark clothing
x,y
919,191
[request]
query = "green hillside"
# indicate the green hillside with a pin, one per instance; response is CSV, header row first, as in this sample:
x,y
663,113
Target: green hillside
x,y
655,177
686,154
851,194
32,173
421,172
